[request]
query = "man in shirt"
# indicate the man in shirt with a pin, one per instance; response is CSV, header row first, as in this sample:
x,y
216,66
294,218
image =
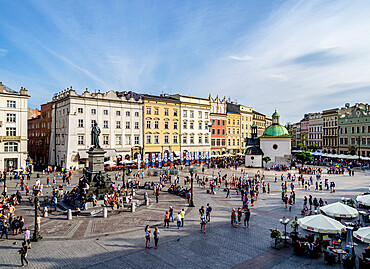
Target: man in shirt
x,y
178,218
182,217
23,252
208,212
27,237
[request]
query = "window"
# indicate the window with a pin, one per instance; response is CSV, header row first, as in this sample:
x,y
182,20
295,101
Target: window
x,y
81,123
148,124
156,124
191,125
148,110
213,142
156,111
191,114
206,140
223,131
229,142
233,130
136,140
105,124
127,125
118,113
191,139
166,139
218,122
175,141
228,121
275,146
213,131
128,140
166,112
228,131
127,113
93,111
136,114
223,142
233,142
105,139
11,147
93,123
80,140
156,139
237,122
166,124
118,124
218,131
185,113
184,139
218,142
10,117
175,113
223,123
11,131
175,125
136,125
185,125
200,114
200,125
237,130
233,122
206,115
200,139
10,104
237,142
105,112
118,140
80,110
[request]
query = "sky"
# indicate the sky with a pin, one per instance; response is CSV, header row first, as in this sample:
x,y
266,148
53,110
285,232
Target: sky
x,y
293,56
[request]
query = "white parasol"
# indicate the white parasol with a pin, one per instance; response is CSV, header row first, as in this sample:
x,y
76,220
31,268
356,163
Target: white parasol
x,y
363,200
340,210
321,224
363,234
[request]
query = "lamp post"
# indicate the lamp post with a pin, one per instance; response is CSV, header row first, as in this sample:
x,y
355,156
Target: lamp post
x,y
36,235
4,192
191,204
285,222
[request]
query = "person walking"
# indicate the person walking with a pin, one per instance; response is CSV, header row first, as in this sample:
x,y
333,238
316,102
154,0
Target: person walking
x,y
171,213
166,220
182,217
147,236
178,218
27,237
240,214
5,230
208,212
203,223
228,193
247,215
23,252
233,218
156,236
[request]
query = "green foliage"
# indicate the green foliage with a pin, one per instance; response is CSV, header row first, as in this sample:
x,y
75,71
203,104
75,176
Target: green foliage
x,y
266,159
275,234
304,157
294,224
351,203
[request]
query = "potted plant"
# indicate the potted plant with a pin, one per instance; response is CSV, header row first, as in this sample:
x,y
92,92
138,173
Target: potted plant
x,y
351,203
294,225
275,235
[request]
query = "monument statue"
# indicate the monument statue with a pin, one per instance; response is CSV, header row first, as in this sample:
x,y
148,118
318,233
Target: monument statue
x,y
95,132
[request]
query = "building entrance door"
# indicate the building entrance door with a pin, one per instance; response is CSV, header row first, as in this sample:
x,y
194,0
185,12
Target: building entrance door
x,y
11,163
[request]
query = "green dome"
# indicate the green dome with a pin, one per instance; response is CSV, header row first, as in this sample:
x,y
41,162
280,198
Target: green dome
x,y
275,130
276,114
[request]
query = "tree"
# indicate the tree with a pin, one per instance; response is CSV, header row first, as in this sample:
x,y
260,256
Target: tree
x,y
266,159
304,157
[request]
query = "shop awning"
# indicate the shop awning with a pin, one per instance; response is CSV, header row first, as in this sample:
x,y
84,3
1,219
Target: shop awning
x,y
110,153
83,154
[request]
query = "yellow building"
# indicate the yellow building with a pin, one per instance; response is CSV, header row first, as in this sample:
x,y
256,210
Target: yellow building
x,y
161,124
233,136
260,120
246,123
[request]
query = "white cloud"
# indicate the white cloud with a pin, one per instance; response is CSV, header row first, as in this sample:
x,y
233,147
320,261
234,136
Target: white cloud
x,y
243,58
302,50
3,52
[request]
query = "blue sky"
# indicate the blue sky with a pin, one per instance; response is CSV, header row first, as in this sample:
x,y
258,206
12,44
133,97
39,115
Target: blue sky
x,y
297,56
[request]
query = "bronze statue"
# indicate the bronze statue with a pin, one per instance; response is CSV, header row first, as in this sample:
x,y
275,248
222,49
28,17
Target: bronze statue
x,y
95,132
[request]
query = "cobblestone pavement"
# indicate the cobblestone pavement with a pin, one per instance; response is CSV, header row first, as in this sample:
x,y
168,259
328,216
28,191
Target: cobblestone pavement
x,y
118,241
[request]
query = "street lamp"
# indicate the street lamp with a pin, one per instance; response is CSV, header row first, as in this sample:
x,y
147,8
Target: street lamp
x,y
191,204
285,222
4,192
36,235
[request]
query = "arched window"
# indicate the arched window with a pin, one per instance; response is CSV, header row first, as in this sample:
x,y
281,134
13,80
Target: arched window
x,y
11,147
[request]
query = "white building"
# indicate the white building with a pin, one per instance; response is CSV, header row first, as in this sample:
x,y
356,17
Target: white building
x,y
195,123
118,114
315,130
13,131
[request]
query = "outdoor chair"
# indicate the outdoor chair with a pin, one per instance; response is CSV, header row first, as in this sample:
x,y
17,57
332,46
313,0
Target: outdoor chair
x,y
362,263
330,259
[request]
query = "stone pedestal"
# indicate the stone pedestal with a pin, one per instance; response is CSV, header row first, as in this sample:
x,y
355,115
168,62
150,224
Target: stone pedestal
x,y
69,214
96,161
45,212
105,212
133,206
147,201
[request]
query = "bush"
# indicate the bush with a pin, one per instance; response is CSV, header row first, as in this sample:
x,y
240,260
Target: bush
x,y
275,234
